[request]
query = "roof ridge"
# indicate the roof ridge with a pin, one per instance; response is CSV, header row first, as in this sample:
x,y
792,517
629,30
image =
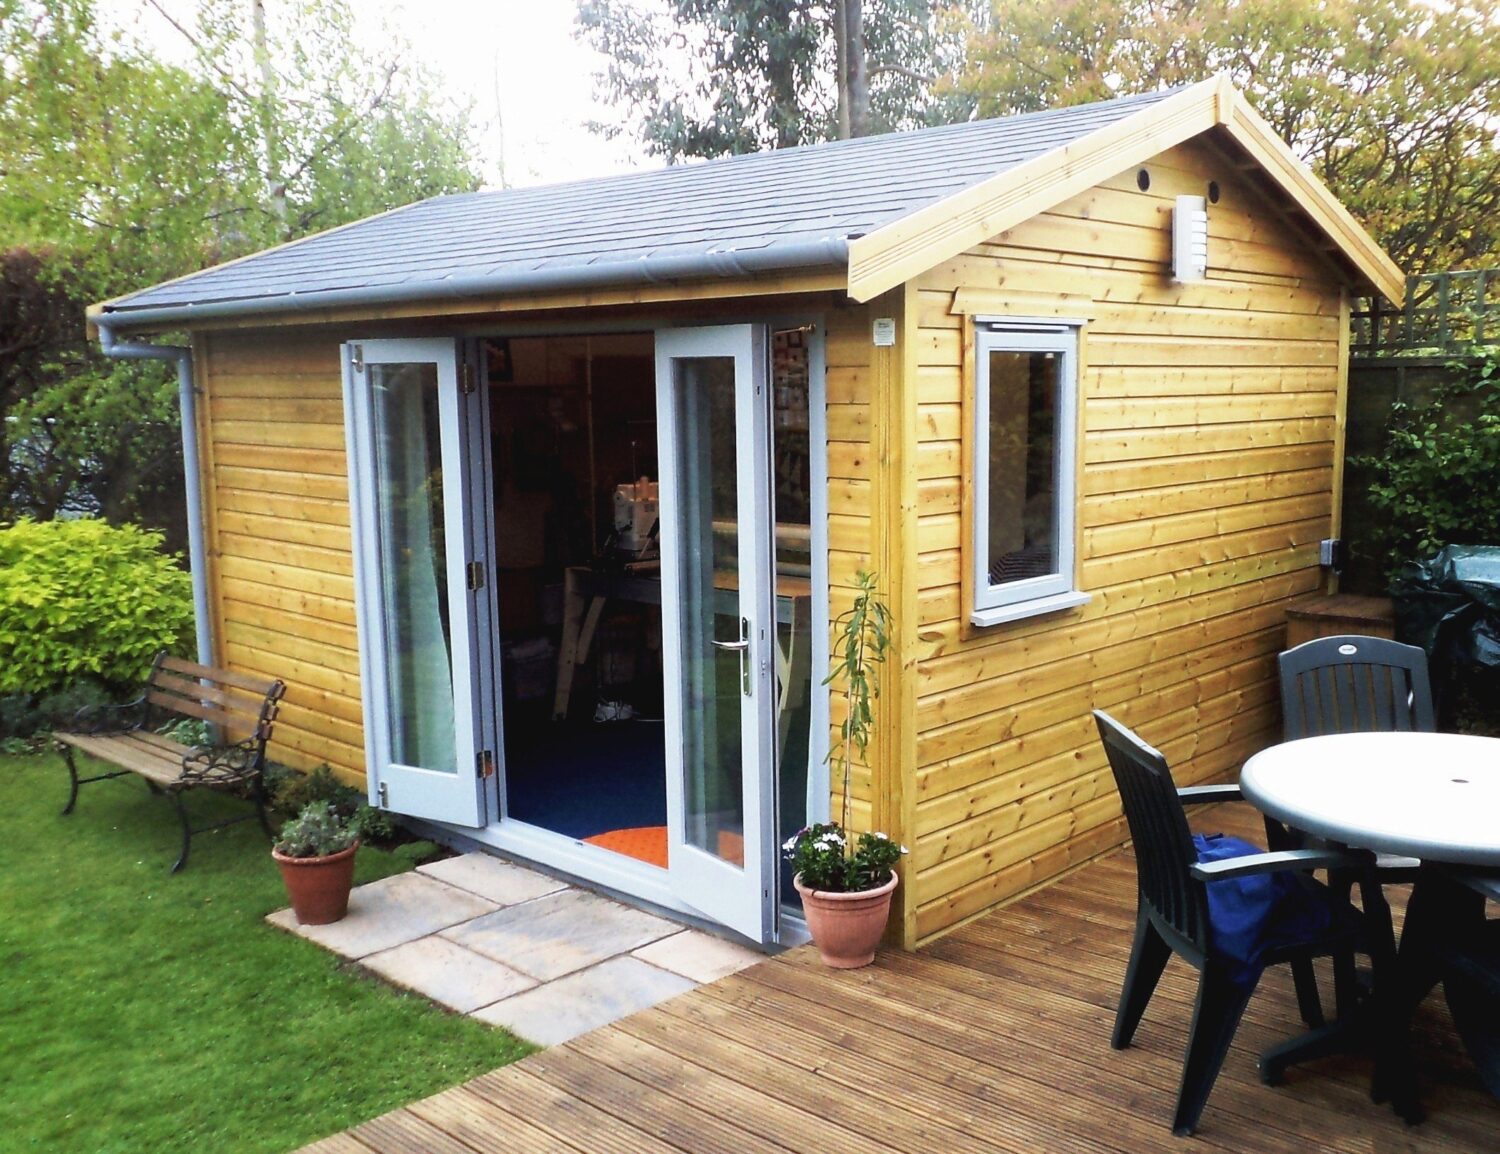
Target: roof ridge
x,y
779,155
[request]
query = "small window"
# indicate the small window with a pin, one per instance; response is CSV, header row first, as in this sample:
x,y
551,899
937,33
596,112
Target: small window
x,y
1025,414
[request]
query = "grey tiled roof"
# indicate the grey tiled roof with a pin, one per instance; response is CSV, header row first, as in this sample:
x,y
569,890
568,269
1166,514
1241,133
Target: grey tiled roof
x,y
786,209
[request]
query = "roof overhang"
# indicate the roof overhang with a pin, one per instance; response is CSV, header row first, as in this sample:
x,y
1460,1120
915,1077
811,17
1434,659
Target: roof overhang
x,y
720,264
910,246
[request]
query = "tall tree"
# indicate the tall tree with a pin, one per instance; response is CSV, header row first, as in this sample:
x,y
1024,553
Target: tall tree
x,y
702,78
117,171
1394,104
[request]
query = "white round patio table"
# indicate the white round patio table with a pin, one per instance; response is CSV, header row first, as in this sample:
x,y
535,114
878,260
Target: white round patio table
x,y
1434,796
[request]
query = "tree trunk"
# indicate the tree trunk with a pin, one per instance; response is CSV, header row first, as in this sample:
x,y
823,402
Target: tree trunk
x,y
275,185
841,64
858,75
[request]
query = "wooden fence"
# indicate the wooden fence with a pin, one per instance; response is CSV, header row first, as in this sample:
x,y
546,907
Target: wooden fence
x,y
1445,312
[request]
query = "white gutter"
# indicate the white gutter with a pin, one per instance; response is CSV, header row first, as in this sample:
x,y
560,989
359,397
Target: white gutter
x,y
187,401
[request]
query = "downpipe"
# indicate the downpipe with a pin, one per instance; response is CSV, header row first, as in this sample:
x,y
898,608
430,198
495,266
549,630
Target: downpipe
x,y
187,403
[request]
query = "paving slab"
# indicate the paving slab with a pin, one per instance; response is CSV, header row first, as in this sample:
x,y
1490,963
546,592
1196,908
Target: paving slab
x,y
699,956
584,1001
447,973
388,912
495,880
560,933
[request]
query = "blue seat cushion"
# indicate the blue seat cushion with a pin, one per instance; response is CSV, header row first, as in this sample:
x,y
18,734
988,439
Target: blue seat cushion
x,y
1249,917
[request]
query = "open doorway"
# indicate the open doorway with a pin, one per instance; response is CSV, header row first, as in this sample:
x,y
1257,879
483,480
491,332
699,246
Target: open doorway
x,y
573,445
578,524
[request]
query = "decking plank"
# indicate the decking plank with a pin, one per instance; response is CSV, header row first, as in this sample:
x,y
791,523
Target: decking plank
x,y
993,1039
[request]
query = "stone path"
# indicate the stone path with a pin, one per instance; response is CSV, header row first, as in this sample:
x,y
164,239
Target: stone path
x,y
515,948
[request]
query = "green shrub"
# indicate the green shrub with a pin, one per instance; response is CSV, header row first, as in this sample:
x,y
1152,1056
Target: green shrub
x,y
316,832
86,600
292,791
25,715
1437,478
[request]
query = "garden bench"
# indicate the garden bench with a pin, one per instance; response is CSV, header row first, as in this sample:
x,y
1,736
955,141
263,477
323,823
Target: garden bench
x,y
239,711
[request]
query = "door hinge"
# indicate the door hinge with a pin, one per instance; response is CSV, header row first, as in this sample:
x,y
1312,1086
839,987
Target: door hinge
x,y
466,378
486,759
385,795
357,358
474,574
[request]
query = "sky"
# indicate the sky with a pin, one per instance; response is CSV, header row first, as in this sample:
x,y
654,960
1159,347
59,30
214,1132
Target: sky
x,y
519,56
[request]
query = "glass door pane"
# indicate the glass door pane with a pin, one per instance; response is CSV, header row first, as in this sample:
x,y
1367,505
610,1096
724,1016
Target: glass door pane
x,y
421,671
713,645
718,621
409,514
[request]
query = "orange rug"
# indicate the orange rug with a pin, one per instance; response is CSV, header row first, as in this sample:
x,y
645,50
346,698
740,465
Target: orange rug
x,y
648,843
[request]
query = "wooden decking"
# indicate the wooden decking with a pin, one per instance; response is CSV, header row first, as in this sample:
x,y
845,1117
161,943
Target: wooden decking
x,y
993,1039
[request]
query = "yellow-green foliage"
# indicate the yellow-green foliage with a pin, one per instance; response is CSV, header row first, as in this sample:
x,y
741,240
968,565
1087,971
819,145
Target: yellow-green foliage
x,y
86,599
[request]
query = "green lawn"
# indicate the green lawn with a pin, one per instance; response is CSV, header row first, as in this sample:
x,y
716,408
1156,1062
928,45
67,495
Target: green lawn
x,y
145,1012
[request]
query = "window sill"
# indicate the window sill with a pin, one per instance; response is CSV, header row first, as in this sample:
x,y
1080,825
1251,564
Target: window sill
x,y
1023,609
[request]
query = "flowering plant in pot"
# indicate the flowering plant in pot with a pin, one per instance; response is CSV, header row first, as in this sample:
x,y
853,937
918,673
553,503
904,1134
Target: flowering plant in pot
x,y
316,855
846,880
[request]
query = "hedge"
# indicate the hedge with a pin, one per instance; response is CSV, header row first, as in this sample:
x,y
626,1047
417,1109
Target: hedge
x,y
86,601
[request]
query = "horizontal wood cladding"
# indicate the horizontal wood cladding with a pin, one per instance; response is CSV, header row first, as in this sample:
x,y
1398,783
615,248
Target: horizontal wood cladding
x,y
281,558
1208,420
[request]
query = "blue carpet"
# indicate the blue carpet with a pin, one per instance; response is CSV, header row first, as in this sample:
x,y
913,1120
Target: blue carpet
x,y
582,779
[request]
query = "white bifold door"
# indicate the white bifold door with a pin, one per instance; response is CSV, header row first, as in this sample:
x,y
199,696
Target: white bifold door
x,y
415,421
718,621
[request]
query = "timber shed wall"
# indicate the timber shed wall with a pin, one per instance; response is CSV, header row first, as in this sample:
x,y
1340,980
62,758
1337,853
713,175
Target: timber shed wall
x,y
1210,418
281,564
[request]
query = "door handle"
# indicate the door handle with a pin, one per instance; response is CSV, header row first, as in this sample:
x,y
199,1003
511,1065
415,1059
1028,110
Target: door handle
x,y
741,647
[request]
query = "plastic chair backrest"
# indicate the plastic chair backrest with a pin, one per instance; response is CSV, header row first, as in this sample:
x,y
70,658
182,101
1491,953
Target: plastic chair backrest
x,y
1163,843
1353,684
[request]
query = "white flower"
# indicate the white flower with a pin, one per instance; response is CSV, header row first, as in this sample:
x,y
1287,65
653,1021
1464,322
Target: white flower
x,y
905,850
881,836
790,844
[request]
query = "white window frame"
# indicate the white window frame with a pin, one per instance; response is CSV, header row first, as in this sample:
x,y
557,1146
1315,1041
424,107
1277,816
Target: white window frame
x,y
1028,597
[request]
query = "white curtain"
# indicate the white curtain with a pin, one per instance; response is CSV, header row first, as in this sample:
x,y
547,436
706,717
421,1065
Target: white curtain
x,y
413,565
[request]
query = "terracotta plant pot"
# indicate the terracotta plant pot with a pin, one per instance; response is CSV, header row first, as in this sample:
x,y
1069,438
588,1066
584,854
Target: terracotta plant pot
x,y
847,927
318,886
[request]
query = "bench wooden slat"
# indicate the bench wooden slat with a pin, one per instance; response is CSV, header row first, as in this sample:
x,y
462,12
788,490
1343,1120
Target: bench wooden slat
x,y
162,767
223,676
213,714
236,700
154,744
161,741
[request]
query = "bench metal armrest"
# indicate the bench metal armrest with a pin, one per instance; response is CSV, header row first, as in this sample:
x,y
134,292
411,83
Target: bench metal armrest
x,y
223,764
1203,794
111,718
1281,861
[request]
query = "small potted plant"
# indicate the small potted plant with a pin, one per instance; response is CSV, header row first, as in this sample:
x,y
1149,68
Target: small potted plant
x,y
846,892
316,855
846,881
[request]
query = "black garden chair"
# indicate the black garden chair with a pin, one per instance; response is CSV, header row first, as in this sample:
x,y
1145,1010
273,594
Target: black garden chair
x,y
1352,684
1300,921
1448,939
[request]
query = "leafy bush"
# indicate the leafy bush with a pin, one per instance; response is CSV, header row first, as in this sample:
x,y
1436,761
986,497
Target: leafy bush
x,y
316,832
188,731
292,791
24,715
1437,480
86,600
820,854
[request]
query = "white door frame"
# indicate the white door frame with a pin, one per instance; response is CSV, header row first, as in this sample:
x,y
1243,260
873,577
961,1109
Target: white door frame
x,y
594,864
456,797
743,896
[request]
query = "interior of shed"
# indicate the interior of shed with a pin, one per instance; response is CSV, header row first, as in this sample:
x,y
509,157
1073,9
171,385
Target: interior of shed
x,y
573,424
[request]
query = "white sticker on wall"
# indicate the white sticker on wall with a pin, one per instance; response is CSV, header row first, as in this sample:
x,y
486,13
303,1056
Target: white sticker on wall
x,y
885,332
